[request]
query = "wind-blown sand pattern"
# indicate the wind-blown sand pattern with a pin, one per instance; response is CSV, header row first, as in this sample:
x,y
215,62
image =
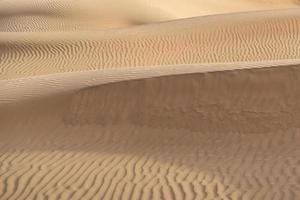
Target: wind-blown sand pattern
x,y
269,35
200,108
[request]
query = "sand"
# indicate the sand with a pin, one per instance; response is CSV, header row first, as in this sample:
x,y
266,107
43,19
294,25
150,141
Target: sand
x,y
133,100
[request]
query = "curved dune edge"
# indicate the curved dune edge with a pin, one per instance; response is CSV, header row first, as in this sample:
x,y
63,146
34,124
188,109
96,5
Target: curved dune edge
x,y
43,85
223,134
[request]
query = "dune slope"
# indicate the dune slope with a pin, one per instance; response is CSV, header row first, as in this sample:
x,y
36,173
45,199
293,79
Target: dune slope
x,y
258,36
200,108
224,134
62,15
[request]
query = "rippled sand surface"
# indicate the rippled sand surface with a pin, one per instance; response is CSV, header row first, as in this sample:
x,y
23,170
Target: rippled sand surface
x,y
133,100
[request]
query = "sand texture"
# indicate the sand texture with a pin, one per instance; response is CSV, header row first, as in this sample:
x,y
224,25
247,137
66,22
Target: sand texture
x,y
133,100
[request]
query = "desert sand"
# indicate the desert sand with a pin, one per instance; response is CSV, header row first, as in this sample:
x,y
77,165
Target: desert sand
x,y
149,99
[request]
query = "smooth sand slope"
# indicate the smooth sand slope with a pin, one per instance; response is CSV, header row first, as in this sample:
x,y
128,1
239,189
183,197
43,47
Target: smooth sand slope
x,y
59,15
200,108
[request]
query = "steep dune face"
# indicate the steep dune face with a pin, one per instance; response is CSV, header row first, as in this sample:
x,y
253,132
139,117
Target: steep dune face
x,y
227,134
178,102
260,36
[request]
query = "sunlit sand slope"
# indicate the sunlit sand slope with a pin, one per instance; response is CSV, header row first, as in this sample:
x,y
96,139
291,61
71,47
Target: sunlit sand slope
x,y
257,36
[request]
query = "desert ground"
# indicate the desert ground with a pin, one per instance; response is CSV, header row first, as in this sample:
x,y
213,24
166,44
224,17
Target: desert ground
x,y
149,99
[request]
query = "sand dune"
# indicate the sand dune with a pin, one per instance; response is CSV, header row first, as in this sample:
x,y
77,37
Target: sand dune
x,y
258,36
225,134
30,88
132,100
59,15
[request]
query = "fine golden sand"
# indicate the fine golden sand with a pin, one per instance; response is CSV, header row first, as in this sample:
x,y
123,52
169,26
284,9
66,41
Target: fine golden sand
x,y
133,100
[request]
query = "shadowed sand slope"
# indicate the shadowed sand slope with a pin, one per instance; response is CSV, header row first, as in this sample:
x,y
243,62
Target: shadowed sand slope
x,y
206,135
257,36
